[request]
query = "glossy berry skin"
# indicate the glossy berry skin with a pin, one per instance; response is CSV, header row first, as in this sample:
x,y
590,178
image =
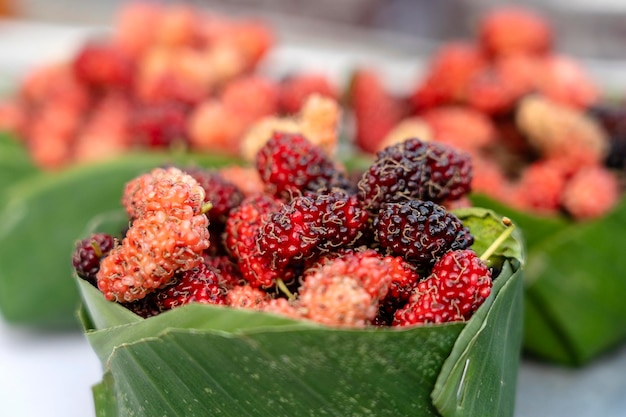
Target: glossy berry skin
x,y
420,231
310,225
87,255
241,234
415,170
201,284
459,283
290,165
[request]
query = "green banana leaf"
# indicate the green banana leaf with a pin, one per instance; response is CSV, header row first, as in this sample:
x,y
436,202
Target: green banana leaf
x,y
202,360
15,164
39,222
575,282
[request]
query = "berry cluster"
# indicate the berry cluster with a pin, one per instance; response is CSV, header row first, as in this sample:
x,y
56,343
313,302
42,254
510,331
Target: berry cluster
x,y
540,139
167,75
323,251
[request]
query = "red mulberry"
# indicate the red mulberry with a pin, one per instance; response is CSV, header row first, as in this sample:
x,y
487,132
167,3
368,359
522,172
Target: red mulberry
x,y
154,249
241,235
458,285
310,225
201,284
168,189
290,165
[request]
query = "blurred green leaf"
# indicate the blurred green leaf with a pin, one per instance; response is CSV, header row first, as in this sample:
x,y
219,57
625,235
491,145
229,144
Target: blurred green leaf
x,y
40,222
212,360
15,164
575,284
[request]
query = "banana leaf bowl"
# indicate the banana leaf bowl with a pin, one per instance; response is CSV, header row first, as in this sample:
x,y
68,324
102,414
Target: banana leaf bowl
x,y
209,360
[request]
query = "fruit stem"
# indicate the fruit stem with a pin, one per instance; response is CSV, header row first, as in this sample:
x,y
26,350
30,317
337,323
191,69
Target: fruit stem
x,y
96,249
496,243
206,207
283,287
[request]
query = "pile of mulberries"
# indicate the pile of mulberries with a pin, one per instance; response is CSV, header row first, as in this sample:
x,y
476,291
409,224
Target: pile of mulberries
x,y
542,138
166,75
308,243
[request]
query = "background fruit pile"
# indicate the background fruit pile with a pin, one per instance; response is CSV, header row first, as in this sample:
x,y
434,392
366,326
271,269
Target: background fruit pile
x,y
535,122
542,137
166,76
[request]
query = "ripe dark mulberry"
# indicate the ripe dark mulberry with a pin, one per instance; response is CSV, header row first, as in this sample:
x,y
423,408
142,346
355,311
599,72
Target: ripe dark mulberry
x,y
420,231
87,255
415,170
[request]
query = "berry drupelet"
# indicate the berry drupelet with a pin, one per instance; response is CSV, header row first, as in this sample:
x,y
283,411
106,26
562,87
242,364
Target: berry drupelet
x,y
168,189
415,170
242,228
459,283
420,231
310,225
290,165
89,252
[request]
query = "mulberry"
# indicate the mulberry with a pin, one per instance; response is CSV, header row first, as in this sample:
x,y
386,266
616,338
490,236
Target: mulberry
x,y
168,189
459,283
201,284
89,252
415,169
311,225
290,165
420,231
242,228
154,249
